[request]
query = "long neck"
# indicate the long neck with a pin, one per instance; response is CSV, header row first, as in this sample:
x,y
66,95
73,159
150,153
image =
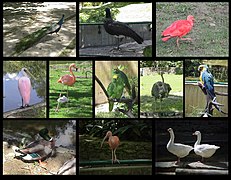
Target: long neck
x,y
70,69
198,140
162,76
108,14
191,22
172,137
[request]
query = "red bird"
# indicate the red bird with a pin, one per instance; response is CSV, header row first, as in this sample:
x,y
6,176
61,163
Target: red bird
x,y
68,79
178,29
113,142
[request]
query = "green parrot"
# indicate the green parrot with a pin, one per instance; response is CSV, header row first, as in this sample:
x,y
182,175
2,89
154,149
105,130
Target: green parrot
x,y
115,90
123,78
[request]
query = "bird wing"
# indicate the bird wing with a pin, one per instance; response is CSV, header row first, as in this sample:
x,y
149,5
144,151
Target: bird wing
x,y
206,149
118,28
67,79
177,28
115,91
208,82
124,78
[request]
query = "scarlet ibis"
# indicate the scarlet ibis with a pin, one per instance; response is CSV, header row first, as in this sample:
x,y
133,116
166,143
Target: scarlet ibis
x,y
178,29
24,87
113,142
68,79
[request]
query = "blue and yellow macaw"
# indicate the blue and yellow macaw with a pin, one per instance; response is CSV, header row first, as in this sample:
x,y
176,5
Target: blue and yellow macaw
x,y
207,80
207,86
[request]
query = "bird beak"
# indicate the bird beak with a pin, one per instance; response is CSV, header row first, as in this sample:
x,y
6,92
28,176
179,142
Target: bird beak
x,y
103,141
28,72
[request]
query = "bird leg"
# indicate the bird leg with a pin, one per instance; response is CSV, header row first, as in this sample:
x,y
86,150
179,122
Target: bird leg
x,y
184,39
21,107
57,108
115,159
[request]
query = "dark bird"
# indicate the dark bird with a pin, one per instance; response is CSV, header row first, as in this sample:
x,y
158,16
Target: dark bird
x,y
57,26
120,29
160,89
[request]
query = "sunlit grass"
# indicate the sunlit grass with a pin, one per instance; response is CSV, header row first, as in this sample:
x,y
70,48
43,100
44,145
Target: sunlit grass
x,y
174,103
80,94
210,32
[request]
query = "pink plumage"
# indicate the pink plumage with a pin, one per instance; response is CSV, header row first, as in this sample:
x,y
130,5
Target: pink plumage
x,y
24,86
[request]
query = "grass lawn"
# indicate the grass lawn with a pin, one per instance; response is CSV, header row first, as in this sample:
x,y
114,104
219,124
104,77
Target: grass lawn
x,y
174,103
80,94
210,32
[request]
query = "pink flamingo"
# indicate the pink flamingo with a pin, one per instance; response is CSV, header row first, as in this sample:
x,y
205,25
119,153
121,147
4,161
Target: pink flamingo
x,y
68,79
24,87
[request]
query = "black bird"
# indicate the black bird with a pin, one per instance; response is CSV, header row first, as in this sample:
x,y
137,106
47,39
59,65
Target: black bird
x,y
119,29
57,26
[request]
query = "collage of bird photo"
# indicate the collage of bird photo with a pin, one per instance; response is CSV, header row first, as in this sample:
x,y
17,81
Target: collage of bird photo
x,y
111,107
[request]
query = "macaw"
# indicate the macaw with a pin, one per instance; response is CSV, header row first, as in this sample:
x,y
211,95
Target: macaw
x,y
123,78
207,80
207,85
115,90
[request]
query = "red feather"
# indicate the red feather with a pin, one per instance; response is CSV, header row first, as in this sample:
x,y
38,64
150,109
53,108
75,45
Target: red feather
x,y
178,29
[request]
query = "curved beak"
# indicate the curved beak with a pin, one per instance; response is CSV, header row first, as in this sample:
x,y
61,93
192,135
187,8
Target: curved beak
x,y
103,141
28,72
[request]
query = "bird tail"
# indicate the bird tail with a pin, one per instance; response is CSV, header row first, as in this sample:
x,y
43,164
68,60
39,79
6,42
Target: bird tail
x,y
59,81
111,104
137,38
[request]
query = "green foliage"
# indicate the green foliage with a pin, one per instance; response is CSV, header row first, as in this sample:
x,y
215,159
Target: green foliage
x,y
135,130
96,15
147,51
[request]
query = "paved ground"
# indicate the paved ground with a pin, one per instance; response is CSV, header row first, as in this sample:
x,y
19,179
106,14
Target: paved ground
x,y
21,21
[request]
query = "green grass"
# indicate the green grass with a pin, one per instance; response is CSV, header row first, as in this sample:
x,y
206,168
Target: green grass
x,y
174,103
80,95
209,33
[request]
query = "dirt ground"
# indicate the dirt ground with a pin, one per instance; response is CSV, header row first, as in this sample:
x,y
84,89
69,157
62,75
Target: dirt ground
x,y
13,166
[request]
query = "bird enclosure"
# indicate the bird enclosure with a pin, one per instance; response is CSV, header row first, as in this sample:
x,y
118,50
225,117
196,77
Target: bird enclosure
x,y
94,35
195,100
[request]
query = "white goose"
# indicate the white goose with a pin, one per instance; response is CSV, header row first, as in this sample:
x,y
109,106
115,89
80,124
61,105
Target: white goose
x,y
178,149
203,150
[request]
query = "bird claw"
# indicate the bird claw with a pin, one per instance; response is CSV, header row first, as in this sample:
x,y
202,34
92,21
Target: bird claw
x,y
114,161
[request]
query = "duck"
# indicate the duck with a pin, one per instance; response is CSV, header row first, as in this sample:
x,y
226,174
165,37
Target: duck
x,y
178,149
68,168
203,150
37,150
